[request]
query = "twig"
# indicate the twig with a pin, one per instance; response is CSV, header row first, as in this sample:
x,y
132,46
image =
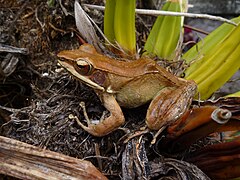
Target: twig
x,y
169,13
17,16
56,29
39,22
196,29
63,8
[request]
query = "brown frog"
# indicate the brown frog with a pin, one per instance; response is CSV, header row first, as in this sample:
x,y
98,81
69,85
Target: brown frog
x,y
129,84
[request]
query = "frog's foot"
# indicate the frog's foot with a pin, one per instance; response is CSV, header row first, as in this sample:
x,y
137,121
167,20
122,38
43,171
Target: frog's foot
x,y
78,121
86,128
157,134
82,104
106,124
131,135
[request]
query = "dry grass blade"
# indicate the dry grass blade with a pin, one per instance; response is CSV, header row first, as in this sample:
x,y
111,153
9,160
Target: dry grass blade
x,y
12,49
85,26
25,161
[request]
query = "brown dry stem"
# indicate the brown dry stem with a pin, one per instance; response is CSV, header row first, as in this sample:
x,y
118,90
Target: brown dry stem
x,y
25,161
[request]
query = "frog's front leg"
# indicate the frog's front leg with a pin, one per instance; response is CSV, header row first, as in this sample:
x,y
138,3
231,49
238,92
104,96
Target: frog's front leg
x,y
170,104
108,124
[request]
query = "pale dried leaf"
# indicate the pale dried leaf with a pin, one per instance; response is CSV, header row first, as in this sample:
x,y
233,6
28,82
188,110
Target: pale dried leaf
x,y
85,27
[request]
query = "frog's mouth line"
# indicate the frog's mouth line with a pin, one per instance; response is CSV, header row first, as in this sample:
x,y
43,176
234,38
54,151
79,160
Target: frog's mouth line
x,y
69,67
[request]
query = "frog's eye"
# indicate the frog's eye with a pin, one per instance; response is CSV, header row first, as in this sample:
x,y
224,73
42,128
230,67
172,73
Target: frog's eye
x,y
83,67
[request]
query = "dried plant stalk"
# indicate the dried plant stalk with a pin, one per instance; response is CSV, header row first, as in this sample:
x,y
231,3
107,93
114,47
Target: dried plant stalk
x,y
25,161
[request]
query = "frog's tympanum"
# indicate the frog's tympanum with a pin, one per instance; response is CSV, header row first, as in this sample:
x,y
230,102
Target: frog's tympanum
x,y
129,84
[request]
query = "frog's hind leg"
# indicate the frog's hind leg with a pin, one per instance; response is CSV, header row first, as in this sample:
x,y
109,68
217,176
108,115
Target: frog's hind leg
x,y
169,105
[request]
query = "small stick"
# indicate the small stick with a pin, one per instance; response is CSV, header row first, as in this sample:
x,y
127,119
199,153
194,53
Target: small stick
x,y
169,13
196,29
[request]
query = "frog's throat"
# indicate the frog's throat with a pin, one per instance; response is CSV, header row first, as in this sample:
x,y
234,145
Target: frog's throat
x,y
87,81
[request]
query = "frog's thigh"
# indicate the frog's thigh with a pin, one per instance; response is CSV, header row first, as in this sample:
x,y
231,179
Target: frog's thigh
x,y
167,106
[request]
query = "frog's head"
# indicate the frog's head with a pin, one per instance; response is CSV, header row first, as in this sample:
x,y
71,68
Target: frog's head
x,y
102,72
81,64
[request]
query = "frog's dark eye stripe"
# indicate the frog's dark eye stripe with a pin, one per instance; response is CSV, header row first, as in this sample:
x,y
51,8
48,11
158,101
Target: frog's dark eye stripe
x,y
83,67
